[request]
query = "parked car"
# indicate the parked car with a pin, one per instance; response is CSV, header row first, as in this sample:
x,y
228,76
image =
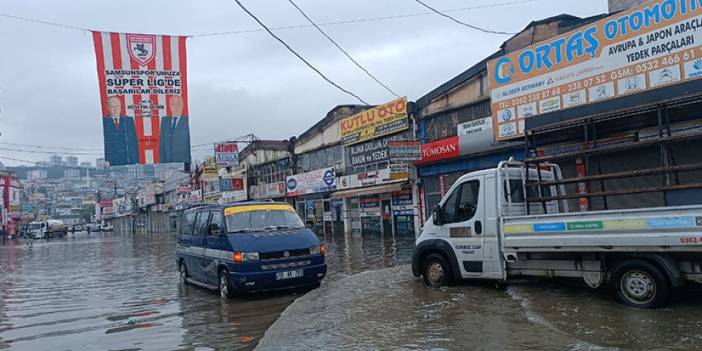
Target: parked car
x,y
248,247
107,227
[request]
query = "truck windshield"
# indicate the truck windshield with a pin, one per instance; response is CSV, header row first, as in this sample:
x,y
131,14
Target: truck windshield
x,y
34,226
261,220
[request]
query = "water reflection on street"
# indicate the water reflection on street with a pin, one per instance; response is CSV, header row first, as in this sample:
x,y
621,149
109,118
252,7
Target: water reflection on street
x,y
108,291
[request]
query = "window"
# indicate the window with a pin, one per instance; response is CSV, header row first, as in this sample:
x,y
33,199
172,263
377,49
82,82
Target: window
x,y
201,223
188,223
263,220
463,202
216,217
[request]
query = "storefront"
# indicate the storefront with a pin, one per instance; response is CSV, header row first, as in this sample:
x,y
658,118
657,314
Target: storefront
x,y
311,192
378,202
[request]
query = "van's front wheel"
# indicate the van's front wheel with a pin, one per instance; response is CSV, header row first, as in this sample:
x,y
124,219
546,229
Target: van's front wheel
x,y
225,288
436,271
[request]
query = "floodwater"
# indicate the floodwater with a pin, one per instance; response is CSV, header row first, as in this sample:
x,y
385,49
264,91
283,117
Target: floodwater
x,y
390,309
114,292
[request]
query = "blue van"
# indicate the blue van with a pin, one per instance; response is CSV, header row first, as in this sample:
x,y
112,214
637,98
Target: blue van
x,y
248,247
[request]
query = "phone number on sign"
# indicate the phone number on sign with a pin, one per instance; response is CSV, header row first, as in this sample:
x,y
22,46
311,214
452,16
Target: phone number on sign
x,y
690,240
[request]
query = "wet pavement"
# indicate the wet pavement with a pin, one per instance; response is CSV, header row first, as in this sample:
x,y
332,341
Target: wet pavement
x,y
389,309
113,292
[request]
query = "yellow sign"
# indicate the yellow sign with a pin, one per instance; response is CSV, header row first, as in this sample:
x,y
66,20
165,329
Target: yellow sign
x,y
376,122
248,208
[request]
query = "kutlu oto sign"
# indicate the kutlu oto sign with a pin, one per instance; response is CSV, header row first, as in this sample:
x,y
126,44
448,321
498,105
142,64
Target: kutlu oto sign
x,y
644,48
375,122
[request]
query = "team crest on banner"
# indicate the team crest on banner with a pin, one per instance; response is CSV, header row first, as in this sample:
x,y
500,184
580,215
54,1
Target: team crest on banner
x,y
142,48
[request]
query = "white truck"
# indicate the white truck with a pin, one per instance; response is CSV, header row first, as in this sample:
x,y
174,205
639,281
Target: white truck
x,y
47,229
481,230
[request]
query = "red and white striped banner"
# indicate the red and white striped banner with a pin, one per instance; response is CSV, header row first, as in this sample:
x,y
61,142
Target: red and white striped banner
x,y
139,76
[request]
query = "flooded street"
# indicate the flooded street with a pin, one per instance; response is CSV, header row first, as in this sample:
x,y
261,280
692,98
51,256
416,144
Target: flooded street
x,y
113,292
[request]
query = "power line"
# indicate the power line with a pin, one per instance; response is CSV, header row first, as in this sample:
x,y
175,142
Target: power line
x,y
460,22
299,26
50,152
342,50
50,147
296,54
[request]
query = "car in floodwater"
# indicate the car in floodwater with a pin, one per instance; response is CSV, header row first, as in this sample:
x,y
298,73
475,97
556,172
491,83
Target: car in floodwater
x,y
248,247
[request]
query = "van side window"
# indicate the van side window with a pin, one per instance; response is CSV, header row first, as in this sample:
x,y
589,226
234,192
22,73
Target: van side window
x,y
188,223
201,223
462,203
216,217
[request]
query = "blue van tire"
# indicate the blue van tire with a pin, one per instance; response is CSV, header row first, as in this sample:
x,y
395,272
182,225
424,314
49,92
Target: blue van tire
x,y
225,287
182,272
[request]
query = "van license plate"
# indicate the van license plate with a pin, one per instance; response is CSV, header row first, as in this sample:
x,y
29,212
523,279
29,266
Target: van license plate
x,y
289,274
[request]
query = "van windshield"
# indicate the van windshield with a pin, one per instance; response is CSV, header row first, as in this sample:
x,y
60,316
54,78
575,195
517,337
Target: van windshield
x,y
261,220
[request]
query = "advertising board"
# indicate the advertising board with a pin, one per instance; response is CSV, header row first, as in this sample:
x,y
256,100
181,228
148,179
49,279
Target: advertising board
x,y
316,181
646,47
382,120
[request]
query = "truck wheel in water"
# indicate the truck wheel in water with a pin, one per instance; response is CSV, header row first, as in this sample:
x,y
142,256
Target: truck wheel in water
x,y
639,283
436,271
182,273
225,288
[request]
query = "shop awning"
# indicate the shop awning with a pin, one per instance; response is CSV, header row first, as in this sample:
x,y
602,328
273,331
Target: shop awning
x,y
368,191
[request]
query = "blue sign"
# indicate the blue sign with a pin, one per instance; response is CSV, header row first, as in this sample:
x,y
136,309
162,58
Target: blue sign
x,y
549,227
292,184
329,177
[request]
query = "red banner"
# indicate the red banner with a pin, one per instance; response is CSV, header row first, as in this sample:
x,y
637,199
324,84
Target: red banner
x,y
144,97
440,150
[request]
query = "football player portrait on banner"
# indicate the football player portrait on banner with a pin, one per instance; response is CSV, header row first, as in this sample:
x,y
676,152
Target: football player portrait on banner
x,y
144,97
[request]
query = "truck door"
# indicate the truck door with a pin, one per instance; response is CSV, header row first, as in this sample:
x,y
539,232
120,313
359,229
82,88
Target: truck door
x,y
464,225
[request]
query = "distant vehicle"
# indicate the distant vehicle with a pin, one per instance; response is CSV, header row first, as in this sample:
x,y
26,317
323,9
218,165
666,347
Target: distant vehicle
x,y
78,228
47,229
107,227
248,247
93,227
483,229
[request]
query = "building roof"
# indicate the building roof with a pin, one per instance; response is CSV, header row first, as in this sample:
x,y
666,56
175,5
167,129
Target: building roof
x,y
277,145
332,116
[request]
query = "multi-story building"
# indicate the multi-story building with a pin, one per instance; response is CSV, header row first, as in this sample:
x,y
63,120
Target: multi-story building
x,y
71,161
55,160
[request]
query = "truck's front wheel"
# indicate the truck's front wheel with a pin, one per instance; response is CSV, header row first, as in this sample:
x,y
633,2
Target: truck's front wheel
x,y
436,271
641,284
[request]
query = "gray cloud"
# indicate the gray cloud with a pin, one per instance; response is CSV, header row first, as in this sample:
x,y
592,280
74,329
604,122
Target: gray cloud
x,y
240,83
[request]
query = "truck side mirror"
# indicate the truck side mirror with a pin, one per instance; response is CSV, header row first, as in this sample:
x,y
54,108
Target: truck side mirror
x,y
438,215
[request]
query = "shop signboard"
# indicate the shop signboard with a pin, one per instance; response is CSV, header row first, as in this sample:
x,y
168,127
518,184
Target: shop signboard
x,y
440,150
404,151
382,120
399,172
316,181
402,204
268,191
184,188
233,188
27,208
106,207
121,206
646,47
226,154
195,196
371,151
211,172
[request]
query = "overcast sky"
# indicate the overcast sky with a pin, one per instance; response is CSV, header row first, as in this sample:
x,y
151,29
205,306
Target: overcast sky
x,y
241,83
